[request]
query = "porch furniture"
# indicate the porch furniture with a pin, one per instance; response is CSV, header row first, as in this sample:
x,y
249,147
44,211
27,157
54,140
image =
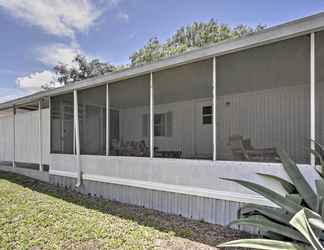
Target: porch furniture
x,y
167,153
243,150
129,148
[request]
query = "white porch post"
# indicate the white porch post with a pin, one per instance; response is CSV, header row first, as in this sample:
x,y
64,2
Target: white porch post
x,y
107,119
50,124
14,138
77,135
214,111
312,97
151,116
40,134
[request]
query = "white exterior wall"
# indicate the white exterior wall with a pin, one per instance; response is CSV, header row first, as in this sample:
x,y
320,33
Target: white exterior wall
x,y
46,136
6,138
270,118
27,137
183,117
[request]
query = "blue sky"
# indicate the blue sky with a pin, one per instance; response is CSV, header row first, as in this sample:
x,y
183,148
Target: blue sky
x,y
37,34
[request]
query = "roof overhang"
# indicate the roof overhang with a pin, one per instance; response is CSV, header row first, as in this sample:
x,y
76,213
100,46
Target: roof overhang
x,y
281,32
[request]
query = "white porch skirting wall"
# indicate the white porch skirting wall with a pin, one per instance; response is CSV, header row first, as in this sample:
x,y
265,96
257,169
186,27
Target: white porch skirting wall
x,y
194,177
210,210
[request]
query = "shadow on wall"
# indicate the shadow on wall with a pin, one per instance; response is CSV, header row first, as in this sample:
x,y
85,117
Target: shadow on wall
x,y
197,231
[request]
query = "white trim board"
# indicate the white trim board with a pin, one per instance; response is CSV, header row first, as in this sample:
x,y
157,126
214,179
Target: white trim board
x,y
201,192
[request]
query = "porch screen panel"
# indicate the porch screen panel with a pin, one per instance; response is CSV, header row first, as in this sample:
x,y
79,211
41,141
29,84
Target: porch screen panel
x,y
319,78
263,102
183,111
62,124
129,117
92,120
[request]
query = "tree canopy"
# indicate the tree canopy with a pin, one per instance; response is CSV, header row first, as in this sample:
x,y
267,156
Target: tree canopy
x,y
196,35
82,69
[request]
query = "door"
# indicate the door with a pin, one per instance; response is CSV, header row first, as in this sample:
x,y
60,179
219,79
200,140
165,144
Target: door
x,y
204,128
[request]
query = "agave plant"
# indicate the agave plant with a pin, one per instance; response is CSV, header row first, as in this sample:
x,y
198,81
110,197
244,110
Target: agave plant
x,y
297,222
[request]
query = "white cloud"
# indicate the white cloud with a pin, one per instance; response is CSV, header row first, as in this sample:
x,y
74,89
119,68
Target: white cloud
x,y
57,17
54,54
123,16
7,94
35,81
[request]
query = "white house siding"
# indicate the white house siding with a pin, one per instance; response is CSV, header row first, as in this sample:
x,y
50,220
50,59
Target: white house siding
x,y
270,118
46,135
6,138
182,138
27,141
27,137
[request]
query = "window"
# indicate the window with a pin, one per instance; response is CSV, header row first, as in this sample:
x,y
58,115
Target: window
x,y
207,114
159,124
162,124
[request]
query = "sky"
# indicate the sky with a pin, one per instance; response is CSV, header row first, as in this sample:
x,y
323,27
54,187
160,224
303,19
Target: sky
x,y
36,35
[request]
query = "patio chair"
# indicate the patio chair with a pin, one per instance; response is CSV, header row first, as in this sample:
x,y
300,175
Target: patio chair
x,y
243,150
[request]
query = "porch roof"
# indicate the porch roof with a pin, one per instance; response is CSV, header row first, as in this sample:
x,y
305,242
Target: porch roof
x,y
284,31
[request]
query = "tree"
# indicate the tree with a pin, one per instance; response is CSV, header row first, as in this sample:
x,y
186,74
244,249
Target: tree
x,y
82,70
196,35
152,51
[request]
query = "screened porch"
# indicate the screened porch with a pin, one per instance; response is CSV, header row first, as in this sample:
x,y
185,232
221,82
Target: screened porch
x,y
262,99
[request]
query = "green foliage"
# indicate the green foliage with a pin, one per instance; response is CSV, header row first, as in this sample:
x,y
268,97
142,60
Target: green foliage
x,y
82,69
299,219
197,35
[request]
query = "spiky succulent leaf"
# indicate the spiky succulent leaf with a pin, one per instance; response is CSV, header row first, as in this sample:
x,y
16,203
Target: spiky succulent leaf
x,y
314,219
318,156
266,224
320,187
295,198
300,222
276,214
288,186
304,189
265,244
278,199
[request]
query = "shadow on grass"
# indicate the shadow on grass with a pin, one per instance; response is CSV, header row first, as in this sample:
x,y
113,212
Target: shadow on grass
x,y
193,230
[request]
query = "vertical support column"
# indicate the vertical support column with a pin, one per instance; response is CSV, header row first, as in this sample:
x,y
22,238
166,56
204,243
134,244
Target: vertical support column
x,y
14,138
107,120
40,134
151,116
214,111
312,97
50,125
77,135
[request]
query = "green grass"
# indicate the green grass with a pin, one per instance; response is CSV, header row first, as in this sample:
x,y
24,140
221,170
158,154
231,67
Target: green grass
x,y
35,215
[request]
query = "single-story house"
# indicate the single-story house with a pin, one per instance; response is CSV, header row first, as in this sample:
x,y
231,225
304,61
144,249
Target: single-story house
x,y
161,135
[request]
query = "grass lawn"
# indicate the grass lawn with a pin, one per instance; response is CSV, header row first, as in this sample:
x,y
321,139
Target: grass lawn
x,y
35,215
